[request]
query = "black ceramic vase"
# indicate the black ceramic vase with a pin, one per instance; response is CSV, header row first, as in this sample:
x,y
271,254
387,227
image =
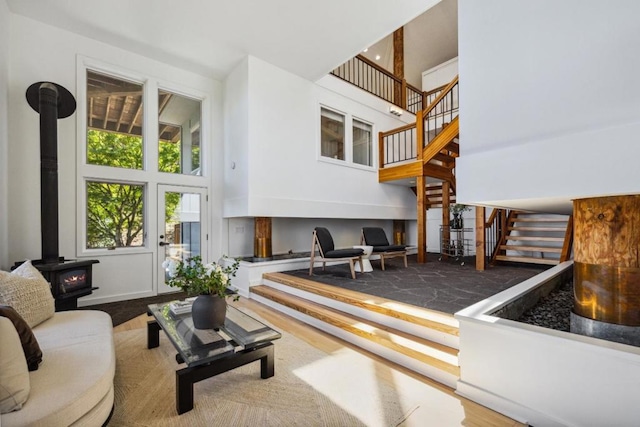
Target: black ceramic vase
x,y
456,222
209,312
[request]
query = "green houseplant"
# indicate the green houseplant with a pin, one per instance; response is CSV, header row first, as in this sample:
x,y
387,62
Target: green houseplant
x,y
209,282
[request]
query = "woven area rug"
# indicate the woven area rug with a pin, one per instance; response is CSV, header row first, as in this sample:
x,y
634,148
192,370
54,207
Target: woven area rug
x,y
310,388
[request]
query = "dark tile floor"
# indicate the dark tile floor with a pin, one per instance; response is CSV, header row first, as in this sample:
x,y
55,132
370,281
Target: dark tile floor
x,y
445,285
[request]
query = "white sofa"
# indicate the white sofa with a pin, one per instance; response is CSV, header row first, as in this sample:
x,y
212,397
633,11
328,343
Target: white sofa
x,y
74,383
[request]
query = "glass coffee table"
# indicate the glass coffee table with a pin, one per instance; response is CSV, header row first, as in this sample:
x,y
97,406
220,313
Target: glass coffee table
x,y
207,352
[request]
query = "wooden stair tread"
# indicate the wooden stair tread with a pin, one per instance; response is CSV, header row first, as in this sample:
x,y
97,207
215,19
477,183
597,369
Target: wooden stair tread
x,y
518,228
398,341
531,248
519,219
433,319
530,260
536,238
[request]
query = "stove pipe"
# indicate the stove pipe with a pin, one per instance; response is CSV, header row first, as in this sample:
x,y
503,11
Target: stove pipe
x,y
52,101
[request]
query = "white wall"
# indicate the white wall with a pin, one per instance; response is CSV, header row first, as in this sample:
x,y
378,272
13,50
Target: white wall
x,y
4,135
42,53
549,96
439,75
286,176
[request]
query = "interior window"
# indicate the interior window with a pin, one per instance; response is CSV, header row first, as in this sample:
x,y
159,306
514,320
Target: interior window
x,y
332,134
362,143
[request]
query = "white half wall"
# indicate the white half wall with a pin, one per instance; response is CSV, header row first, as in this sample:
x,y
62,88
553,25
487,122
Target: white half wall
x,y
549,102
439,75
4,135
542,376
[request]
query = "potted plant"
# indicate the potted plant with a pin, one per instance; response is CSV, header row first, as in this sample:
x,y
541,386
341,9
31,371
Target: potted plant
x,y
456,210
209,282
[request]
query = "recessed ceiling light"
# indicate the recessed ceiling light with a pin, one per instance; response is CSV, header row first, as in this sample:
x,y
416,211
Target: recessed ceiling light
x,y
377,57
366,50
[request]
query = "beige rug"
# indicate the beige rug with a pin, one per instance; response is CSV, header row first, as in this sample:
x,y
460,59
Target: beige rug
x,y
310,388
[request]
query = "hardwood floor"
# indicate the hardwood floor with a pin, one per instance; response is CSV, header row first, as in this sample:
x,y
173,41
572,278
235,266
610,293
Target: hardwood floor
x,y
475,414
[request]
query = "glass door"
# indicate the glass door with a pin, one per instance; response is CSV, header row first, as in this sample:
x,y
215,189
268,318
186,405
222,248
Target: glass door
x,y
182,227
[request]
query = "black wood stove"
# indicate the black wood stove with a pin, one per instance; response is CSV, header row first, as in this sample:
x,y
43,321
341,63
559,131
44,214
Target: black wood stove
x,y
69,279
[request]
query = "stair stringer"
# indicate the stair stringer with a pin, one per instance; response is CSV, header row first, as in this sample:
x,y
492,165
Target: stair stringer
x,y
443,338
395,357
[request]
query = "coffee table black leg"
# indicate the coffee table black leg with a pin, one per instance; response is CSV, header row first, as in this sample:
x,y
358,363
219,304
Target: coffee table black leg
x,y
153,334
186,377
267,364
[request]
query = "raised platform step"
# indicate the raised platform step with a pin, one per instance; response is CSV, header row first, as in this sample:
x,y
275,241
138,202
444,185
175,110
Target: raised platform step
x,y
421,350
433,319
529,260
531,248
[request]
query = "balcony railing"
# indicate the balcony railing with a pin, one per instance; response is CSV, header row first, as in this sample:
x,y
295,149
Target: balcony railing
x,y
371,77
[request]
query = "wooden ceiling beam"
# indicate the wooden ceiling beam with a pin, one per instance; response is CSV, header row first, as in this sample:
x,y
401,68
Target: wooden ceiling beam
x,y
106,113
124,104
135,116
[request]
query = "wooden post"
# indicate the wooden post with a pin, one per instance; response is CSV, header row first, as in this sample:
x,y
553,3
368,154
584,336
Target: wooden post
x,y
380,150
422,219
262,239
446,229
398,232
481,258
400,94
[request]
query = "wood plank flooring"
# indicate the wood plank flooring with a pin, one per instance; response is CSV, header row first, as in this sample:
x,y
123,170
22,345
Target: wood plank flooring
x,y
475,414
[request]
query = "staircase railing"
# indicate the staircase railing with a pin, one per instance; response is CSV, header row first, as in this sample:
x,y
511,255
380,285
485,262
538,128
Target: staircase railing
x,y
441,111
371,77
400,144
495,229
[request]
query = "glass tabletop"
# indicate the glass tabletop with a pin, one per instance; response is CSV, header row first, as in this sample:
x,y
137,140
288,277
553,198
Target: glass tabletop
x,y
199,346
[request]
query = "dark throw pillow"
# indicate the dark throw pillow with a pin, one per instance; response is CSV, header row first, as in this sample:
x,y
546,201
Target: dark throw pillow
x,y
30,346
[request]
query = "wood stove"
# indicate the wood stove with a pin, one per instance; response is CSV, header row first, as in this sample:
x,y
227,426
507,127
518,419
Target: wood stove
x,y
69,279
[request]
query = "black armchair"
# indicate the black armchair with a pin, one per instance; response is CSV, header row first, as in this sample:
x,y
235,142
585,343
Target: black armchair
x,y
376,237
324,242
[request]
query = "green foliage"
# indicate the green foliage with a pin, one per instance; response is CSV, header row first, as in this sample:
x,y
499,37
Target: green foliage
x,y
459,208
196,278
115,211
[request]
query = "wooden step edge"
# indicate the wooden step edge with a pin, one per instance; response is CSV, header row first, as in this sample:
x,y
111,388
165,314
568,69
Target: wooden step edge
x,y
432,319
520,228
518,219
531,248
379,334
535,238
528,260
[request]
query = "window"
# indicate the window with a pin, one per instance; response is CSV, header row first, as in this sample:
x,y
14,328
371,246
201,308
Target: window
x,y
127,153
114,122
114,215
178,134
346,138
362,154
332,134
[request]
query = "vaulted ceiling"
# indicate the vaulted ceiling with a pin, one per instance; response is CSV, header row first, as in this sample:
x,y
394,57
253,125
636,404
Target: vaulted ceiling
x,y
210,37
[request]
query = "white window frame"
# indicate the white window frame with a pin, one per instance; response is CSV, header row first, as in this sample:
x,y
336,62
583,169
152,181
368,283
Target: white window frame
x,y
348,140
148,176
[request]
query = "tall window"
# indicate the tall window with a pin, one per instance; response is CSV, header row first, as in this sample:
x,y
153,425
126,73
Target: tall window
x,y
178,134
331,134
362,143
117,203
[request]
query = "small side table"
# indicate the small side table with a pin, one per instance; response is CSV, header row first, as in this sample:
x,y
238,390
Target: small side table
x,y
366,264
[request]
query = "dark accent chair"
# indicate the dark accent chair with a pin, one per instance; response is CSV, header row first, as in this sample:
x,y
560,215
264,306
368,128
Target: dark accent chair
x,y
324,242
376,237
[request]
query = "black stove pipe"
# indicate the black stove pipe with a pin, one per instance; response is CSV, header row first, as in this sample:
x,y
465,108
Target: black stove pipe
x,y
52,101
